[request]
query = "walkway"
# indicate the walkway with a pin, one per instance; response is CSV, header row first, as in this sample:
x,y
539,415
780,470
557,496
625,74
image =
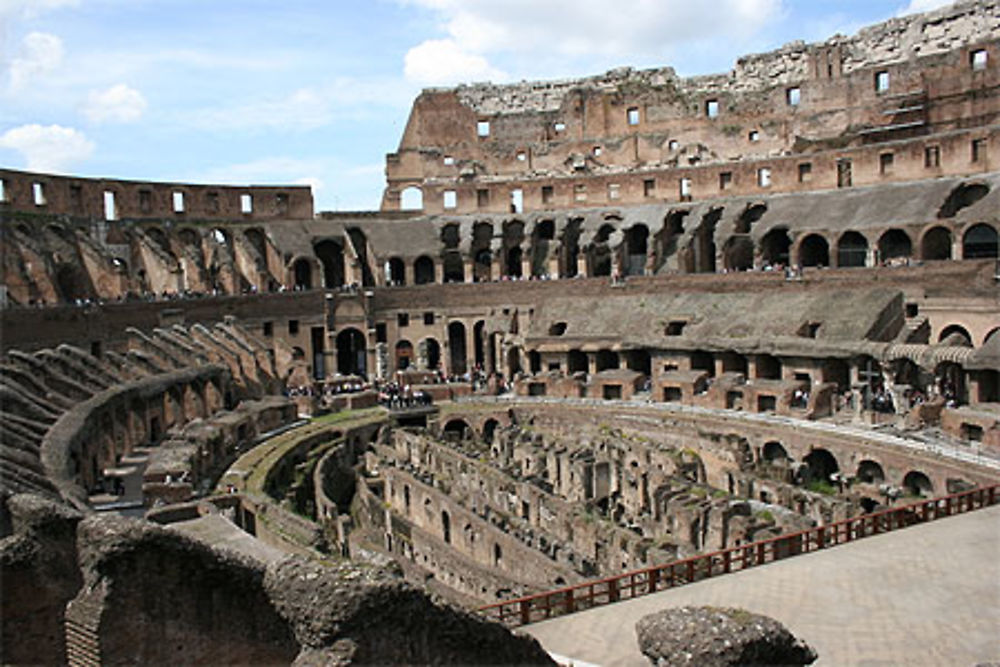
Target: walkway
x,y
221,533
927,595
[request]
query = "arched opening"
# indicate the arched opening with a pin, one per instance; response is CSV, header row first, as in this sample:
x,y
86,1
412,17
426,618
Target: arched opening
x,y
936,244
570,250
432,353
774,247
814,251
456,430
482,270
454,268
544,233
302,270
917,484
450,236
423,270
331,255
821,464
456,344
411,199
894,244
497,555
636,246
395,271
639,361
351,352
189,237
600,253
751,214
512,266
490,430
513,362
255,237
852,250
606,359
576,362
991,335
955,334
964,195
979,242
479,343
838,372
737,253
870,472
404,355
774,452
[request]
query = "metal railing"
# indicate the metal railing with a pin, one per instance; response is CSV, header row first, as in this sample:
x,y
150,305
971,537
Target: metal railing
x,y
579,597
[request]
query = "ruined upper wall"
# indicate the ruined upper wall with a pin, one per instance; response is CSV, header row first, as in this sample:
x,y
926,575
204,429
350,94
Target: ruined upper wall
x,y
893,41
110,199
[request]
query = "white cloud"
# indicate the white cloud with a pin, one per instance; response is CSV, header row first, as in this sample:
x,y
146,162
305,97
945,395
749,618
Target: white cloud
x,y
585,27
117,104
923,6
48,148
442,61
39,53
30,9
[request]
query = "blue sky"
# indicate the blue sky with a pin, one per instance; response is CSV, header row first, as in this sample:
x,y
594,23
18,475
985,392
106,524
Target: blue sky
x,y
311,91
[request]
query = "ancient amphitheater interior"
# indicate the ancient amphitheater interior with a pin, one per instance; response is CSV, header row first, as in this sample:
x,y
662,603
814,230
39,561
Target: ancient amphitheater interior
x,y
598,326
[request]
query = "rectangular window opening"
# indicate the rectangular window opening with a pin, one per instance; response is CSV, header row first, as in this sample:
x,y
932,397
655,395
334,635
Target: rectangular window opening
x,y
979,59
978,150
885,161
547,193
881,81
597,151
579,192
38,194
764,177
212,199
725,180
614,191
684,186
633,115
402,319
482,198
293,327
381,332
281,203
675,328
449,160
3,190
483,128
559,126
522,156
428,318
844,177
805,172
753,136
932,157
649,187
268,329
246,204
712,108
178,200
110,210
450,199
793,96
517,200
145,201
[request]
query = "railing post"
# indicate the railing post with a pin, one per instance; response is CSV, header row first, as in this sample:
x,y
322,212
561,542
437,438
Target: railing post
x,y
612,590
991,494
690,571
947,506
820,538
569,604
726,559
654,576
525,612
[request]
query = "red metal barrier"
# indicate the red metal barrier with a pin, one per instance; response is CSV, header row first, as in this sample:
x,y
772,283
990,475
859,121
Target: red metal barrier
x,y
579,597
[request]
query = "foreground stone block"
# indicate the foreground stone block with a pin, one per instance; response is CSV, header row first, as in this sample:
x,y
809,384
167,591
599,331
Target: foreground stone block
x,y
718,637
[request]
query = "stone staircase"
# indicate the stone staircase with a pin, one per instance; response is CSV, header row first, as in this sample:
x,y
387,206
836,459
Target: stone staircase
x,y
83,648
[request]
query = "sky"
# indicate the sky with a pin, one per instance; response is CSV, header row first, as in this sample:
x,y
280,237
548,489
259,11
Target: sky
x,y
318,91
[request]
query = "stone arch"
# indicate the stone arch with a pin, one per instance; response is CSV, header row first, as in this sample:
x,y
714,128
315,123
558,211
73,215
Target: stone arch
x,y
479,343
189,237
737,253
351,352
513,361
991,334
431,353
870,472
411,199
458,363
404,354
482,266
980,242
456,428
599,255
330,254
894,243
489,430
258,241
734,362
302,274
774,247
768,367
951,382
963,196
750,215
956,330
935,244
774,452
395,271
512,263
636,249
814,251
423,270
852,250
916,483
453,267
821,464
446,526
